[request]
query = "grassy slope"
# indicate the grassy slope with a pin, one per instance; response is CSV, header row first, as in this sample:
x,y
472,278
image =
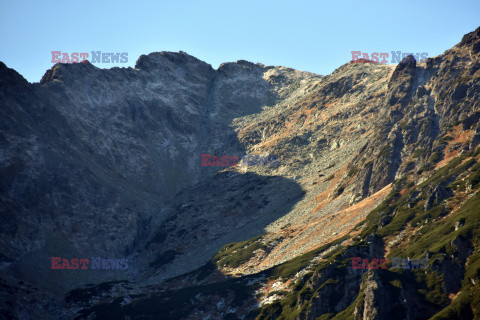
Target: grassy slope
x,y
435,234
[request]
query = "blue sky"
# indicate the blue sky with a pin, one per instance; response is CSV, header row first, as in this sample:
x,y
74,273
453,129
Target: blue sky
x,y
315,36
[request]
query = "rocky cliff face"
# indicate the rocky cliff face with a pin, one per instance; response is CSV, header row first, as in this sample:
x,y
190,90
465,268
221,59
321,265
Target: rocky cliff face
x,y
92,160
375,161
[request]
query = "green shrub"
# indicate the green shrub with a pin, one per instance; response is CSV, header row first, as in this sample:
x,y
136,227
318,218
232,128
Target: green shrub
x,y
436,157
419,153
353,171
474,179
445,139
329,178
235,254
385,151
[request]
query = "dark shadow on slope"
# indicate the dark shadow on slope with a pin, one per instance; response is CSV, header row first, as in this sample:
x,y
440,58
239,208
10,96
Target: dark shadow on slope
x,y
229,207
94,157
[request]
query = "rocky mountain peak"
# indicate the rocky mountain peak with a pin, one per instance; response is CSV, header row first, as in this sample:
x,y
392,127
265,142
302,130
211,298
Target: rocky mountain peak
x,y
241,66
471,38
408,61
67,71
10,78
166,60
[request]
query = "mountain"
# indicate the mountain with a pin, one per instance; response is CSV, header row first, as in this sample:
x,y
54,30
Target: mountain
x,y
372,162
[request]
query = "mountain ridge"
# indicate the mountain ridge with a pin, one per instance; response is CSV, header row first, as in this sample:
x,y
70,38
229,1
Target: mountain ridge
x,y
368,155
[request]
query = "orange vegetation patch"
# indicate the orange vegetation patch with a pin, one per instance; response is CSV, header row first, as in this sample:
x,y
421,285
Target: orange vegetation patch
x,y
308,113
452,296
309,236
268,286
459,137
331,103
323,197
355,213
